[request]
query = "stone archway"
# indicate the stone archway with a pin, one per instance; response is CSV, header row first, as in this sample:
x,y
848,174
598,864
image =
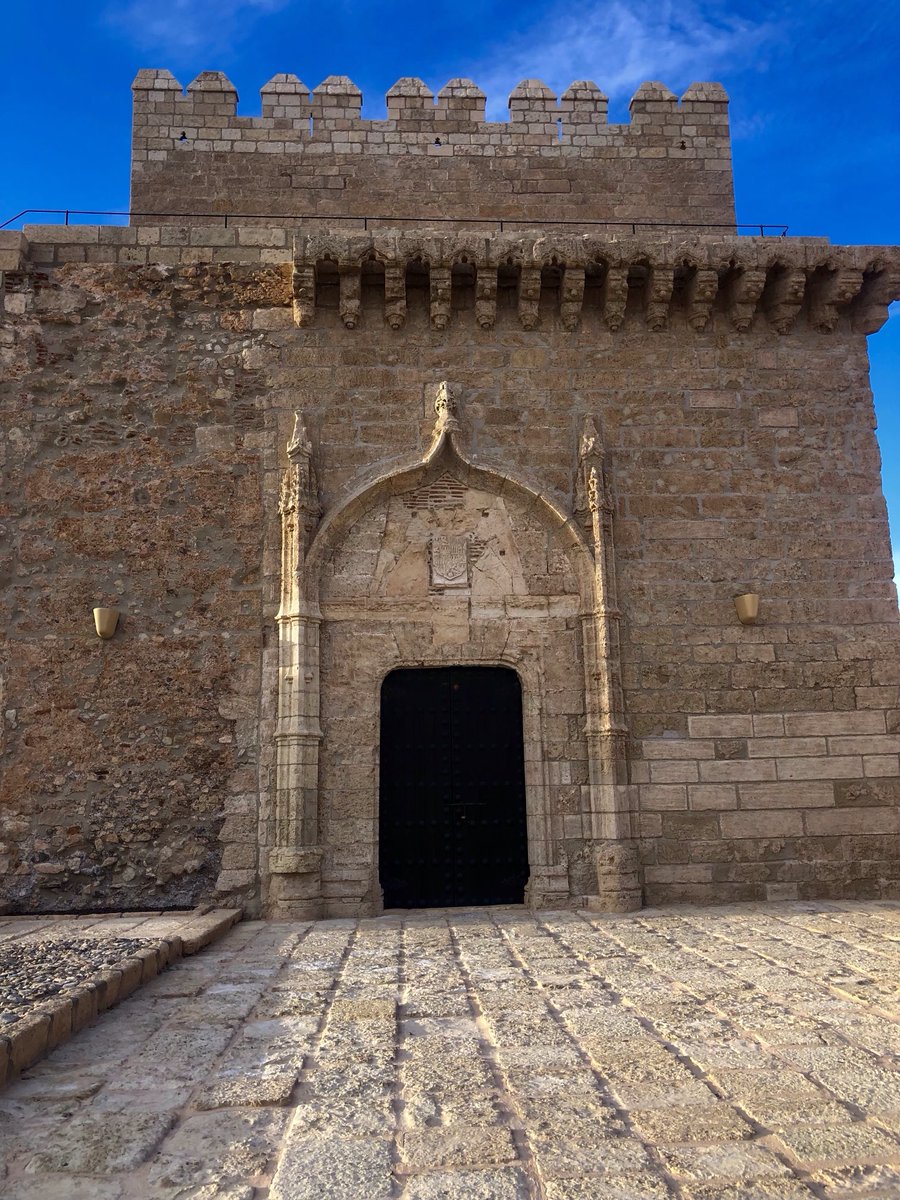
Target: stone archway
x,y
445,562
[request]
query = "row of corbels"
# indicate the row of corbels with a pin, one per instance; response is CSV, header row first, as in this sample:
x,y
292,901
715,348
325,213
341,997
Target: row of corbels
x,y
737,276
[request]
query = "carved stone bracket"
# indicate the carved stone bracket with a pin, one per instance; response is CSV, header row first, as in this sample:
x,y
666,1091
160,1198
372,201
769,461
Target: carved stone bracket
x,y
529,297
615,296
881,285
701,293
350,303
829,294
304,286
440,297
745,294
486,297
659,295
572,297
395,295
782,298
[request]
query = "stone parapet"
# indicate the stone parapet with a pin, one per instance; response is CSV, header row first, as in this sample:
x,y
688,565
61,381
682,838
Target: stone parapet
x,y
313,150
13,249
295,117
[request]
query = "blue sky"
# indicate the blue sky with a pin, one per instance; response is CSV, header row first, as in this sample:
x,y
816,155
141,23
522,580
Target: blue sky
x,y
816,133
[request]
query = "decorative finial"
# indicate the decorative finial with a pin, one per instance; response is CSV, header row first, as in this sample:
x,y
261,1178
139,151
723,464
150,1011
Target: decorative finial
x,y
299,442
445,408
590,445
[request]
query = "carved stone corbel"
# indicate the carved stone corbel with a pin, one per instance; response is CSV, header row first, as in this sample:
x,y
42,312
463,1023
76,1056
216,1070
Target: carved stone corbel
x,y
659,294
486,296
880,287
572,297
745,293
529,297
783,297
615,296
702,289
440,297
395,295
349,301
829,294
303,283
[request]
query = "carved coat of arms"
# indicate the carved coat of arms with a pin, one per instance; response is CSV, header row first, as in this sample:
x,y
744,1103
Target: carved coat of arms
x,y
449,560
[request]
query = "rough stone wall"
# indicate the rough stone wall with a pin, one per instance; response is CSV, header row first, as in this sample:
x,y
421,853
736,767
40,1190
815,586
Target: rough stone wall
x,y
312,155
130,477
145,411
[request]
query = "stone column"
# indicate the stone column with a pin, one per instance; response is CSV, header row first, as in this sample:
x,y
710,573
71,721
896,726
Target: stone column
x,y
295,860
608,823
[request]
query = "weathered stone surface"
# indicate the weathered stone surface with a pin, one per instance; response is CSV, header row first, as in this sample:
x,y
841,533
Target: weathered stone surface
x,y
509,1184
222,1150
311,154
312,1165
298,458
540,1089
101,1145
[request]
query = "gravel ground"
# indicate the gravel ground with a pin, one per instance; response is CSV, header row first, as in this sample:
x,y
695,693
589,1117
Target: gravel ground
x,y
33,971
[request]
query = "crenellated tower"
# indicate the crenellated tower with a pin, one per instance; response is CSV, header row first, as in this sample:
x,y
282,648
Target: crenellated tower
x,y
436,465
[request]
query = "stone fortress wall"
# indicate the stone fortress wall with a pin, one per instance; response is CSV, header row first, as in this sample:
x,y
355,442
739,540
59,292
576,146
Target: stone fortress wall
x,y
312,154
640,427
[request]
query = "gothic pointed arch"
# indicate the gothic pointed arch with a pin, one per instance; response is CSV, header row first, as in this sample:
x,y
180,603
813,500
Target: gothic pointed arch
x,y
408,569
447,452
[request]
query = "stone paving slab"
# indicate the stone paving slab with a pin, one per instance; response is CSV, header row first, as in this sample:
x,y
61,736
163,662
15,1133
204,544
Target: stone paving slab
x,y
57,973
740,1053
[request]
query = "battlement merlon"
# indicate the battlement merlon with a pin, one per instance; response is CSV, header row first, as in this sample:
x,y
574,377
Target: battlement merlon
x,y
534,110
311,151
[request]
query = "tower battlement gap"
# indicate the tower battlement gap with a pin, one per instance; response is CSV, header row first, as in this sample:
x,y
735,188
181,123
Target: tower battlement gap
x,y
423,458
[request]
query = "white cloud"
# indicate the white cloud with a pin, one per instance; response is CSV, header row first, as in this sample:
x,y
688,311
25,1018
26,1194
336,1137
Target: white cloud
x,y
621,44
178,28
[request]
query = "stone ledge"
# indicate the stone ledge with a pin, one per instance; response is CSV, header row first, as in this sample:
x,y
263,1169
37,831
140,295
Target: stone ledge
x,y
56,1021
13,249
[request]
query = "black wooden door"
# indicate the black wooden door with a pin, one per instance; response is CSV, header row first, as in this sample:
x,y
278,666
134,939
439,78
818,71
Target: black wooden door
x,y
452,795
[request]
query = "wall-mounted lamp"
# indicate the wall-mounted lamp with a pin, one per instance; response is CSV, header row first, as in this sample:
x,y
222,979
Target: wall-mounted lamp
x,y
105,621
747,607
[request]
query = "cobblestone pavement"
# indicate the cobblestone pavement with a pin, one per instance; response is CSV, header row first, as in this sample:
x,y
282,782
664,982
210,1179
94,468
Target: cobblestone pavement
x,y
493,1054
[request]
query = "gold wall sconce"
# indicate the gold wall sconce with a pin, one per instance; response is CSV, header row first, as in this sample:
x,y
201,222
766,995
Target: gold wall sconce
x,y
105,621
747,607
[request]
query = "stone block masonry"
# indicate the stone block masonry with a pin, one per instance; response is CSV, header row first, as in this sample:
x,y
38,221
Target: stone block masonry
x,y
311,153
489,1055
150,380
298,454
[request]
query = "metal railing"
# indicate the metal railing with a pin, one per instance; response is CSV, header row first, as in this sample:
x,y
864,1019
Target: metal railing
x,y
493,223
